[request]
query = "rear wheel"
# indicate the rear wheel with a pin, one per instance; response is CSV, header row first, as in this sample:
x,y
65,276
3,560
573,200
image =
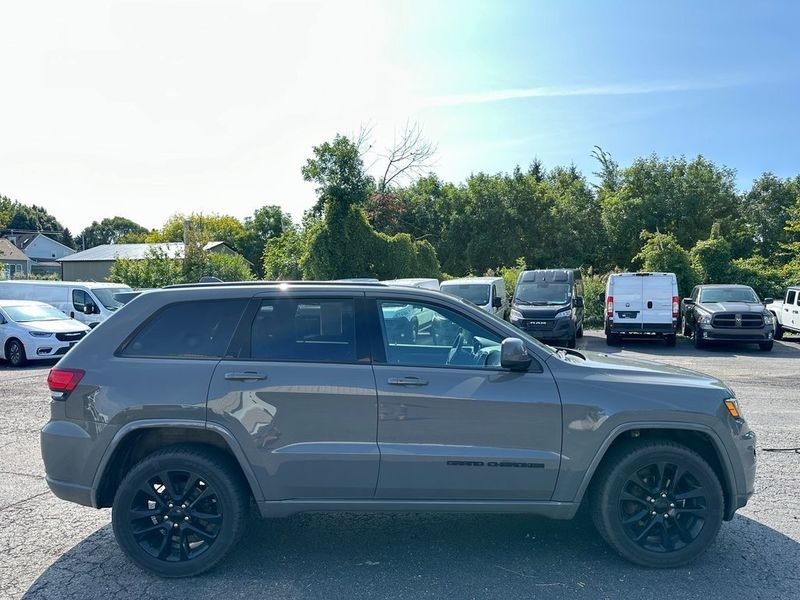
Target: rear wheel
x,y
15,353
658,504
613,339
671,339
766,346
180,510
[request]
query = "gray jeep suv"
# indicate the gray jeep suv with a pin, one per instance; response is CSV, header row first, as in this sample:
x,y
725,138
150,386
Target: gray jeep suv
x,y
194,401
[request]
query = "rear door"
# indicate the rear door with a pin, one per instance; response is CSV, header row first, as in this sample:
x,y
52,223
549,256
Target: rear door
x,y
795,311
628,301
297,390
657,294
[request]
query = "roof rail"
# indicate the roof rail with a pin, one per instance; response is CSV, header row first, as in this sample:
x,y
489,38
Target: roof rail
x,y
271,283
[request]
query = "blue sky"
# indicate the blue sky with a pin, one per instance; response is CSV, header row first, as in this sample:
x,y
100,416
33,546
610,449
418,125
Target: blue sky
x,y
145,109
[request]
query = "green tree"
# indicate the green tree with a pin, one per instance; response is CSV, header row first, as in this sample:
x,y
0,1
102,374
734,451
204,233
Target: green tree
x,y
156,270
267,222
767,208
711,258
109,231
661,253
338,171
284,254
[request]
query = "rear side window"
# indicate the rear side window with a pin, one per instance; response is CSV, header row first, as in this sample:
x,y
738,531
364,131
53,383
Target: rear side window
x,y
313,330
199,329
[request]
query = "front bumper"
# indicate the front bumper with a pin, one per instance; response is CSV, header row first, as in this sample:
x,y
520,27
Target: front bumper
x,y
556,329
711,334
745,441
44,348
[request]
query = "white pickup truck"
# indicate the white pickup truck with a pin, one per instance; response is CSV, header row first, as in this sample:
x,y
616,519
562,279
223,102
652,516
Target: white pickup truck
x,y
787,313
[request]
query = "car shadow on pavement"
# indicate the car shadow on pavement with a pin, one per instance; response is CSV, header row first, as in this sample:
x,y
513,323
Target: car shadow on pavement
x,y
336,555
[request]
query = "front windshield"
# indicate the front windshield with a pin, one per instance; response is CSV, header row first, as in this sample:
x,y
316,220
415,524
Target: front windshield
x,y
477,293
27,313
542,293
106,296
729,295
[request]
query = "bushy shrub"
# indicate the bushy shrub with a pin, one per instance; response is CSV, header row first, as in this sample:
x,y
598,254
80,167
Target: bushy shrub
x,y
711,260
662,253
511,274
593,286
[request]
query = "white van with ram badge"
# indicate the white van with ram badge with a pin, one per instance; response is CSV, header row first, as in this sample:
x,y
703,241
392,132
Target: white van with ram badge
x,y
89,303
641,303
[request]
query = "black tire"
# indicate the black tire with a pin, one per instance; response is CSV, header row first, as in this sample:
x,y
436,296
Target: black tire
x,y
579,333
160,535
686,330
571,342
674,492
15,353
697,340
671,340
766,346
778,330
613,339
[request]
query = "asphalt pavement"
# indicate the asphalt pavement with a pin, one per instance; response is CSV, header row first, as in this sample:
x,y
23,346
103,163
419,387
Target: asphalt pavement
x,y
54,549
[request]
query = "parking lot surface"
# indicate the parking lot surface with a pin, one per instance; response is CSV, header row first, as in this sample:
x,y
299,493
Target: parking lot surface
x,y
54,549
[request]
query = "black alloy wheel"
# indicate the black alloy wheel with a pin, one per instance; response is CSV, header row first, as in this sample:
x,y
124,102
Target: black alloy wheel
x,y
180,510
175,515
663,507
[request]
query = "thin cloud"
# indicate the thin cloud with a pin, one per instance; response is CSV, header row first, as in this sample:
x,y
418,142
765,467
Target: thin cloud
x,y
570,91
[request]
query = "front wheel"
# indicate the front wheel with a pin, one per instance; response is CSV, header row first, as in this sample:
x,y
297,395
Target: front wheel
x,y
180,510
778,330
579,333
15,353
697,340
765,346
658,504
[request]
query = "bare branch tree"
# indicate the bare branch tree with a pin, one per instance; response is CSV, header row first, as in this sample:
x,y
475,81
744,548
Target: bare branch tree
x,y
409,156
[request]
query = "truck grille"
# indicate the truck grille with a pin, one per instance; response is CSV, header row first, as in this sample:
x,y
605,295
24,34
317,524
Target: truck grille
x,y
72,336
736,320
538,324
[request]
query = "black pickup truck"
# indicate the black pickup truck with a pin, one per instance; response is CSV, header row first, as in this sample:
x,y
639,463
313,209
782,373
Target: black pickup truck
x,y
727,313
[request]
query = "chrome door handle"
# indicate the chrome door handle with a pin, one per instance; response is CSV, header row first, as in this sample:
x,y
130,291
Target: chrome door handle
x,y
245,376
406,381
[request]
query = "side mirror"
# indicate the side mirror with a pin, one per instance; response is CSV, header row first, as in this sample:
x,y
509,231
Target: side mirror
x,y
769,300
688,301
497,302
513,355
578,301
89,309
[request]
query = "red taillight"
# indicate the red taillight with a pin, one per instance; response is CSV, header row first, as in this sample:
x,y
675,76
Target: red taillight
x,y
64,380
675,307
610,306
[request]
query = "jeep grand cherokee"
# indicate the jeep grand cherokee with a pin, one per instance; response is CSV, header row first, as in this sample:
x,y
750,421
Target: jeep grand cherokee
x,y
192,402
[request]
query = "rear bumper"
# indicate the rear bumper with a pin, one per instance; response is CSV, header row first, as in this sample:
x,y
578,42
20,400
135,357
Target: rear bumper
x,y
634,328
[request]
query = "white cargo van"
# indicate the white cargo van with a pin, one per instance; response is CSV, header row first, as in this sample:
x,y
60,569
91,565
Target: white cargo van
x,y
488,293
641,303
89,303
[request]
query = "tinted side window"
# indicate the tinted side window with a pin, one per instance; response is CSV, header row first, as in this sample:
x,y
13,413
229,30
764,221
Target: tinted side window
x,y
313,330
199,329
790,297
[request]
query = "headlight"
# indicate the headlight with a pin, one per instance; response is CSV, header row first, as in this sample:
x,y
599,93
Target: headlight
x,y
769,319
703,318
564,314
515,315
40,334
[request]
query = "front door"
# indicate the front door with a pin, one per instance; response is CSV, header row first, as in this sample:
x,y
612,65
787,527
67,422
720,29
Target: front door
x,y
452,423
299,394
